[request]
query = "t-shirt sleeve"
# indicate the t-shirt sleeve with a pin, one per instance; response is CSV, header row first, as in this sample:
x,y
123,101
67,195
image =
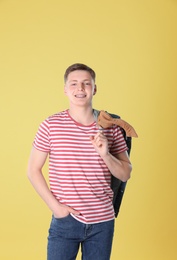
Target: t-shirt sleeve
x,y
119,143
42,138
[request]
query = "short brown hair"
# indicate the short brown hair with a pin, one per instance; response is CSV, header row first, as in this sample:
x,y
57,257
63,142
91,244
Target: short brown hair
x,y
79,66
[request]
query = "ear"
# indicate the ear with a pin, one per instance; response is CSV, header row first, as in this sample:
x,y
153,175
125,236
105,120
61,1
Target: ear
x,y
95,90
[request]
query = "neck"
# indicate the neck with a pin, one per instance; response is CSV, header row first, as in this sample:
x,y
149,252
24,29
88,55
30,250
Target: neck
x,y
82,115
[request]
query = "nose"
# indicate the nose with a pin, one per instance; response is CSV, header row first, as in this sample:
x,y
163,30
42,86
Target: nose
x,y
81,86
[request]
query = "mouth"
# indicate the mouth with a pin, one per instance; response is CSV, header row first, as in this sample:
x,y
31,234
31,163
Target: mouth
x,y
80,96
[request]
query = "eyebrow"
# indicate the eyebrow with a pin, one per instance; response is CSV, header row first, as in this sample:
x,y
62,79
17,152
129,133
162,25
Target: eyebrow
x,y
75,80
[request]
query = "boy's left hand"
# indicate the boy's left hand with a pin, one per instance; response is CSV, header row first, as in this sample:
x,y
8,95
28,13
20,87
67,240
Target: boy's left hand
x,y
100,143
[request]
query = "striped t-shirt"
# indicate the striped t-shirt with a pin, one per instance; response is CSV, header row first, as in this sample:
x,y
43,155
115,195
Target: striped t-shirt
x,y
78,176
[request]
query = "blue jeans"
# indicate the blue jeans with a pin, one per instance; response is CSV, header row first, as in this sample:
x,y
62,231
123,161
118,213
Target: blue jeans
x,y
67,234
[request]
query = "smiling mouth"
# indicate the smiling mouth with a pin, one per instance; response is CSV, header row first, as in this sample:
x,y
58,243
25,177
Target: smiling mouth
x,y
80,96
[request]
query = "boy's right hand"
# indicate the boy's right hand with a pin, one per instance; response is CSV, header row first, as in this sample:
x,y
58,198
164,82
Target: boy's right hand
x,y
63,211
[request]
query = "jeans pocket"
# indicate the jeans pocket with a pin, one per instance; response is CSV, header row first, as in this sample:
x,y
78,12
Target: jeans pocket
x,y
61,227
62,218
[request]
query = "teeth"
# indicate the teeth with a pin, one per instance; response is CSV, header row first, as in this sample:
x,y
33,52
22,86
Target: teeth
x,y
80,96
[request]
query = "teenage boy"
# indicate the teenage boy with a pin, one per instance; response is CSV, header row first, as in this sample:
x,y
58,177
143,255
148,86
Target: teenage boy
x,y
81,160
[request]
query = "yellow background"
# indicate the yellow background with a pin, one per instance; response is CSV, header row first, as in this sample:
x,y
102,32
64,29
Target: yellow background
x,y
132,45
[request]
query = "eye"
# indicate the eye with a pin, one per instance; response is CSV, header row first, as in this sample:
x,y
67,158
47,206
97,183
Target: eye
x,y
87,83
73,84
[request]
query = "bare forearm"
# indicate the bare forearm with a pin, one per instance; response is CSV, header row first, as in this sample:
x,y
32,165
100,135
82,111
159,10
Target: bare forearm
x,y
36,162
118,165
121,169
39,183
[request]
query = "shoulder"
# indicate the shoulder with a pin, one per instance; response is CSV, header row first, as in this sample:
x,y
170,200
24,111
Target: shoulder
x,y
58,116
53,120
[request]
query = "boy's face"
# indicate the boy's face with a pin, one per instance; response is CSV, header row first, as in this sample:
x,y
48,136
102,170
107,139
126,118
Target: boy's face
x,y
80,87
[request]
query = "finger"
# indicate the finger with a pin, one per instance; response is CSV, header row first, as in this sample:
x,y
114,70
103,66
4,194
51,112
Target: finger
x,y
73,211
99,142
98,136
